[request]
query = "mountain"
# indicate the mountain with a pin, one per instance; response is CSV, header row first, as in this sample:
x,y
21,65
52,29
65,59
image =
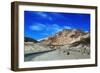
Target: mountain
x,y
28,39
84,40
67,37
66,44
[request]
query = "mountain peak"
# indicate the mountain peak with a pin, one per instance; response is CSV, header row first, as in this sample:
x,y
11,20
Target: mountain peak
x,y
66,36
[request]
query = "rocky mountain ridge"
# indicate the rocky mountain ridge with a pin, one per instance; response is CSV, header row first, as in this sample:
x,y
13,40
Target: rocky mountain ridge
x,y
66,37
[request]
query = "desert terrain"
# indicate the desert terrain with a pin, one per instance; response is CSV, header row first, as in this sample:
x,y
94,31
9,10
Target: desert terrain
x,y
64,45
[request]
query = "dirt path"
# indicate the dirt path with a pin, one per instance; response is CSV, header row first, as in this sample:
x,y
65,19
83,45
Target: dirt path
x,y
57,54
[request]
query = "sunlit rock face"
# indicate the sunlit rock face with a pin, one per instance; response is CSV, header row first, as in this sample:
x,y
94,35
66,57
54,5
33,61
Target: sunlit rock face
x,y
66,36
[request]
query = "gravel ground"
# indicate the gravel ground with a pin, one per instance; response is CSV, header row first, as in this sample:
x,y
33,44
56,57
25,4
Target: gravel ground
x,y
58,54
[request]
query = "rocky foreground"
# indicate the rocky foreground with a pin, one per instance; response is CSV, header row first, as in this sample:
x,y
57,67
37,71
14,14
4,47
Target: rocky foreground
x,y
66,44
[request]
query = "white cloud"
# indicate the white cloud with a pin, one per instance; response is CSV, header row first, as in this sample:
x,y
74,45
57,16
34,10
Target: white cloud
x,y
53,28
42,14
57,28
49,29
37,27
67,27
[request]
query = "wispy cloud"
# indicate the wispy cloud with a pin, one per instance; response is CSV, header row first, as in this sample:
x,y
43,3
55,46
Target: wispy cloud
x,y
53,28
44,29
67,27
56,28
48,29
44,15
37,27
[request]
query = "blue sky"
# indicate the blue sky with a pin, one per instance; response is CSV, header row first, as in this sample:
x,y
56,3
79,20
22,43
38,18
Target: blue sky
x,y
38,25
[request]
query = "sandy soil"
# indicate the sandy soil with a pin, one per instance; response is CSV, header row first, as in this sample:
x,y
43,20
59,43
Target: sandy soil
x,y
57,54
